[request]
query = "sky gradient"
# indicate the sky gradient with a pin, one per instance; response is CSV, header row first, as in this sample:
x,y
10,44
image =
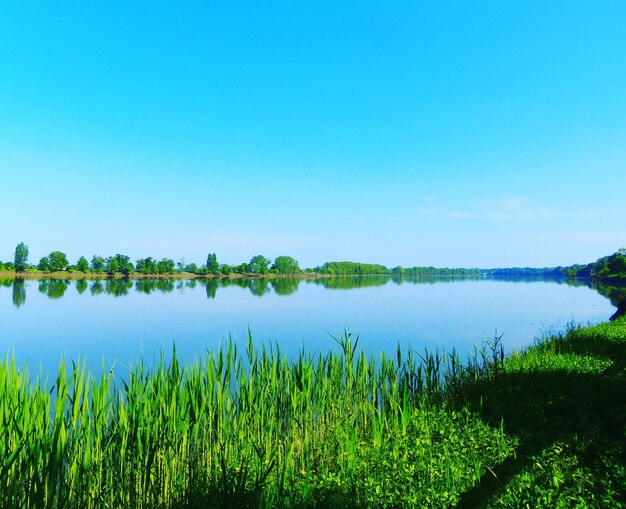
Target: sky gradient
x,y
483,134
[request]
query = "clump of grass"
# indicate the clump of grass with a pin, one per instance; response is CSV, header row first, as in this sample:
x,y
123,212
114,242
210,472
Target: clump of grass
x,y
244,429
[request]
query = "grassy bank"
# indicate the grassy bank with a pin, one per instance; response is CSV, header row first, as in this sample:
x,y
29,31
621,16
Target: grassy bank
x,y
543,428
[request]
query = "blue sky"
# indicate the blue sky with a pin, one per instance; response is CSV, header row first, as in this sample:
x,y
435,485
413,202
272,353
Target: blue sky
x,y
420,133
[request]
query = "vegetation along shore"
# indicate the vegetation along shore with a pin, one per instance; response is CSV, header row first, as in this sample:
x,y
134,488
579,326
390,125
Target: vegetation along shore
x,y
57,265
244,427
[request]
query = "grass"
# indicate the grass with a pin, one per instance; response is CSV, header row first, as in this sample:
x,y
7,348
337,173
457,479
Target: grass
x,y
249,428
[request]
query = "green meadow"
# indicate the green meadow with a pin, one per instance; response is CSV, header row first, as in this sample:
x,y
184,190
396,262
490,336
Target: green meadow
x,y
246,427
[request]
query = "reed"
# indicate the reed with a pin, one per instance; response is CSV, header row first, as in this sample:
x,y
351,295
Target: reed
x,y
247,427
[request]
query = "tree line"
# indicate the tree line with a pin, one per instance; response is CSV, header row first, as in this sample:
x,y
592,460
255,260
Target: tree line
x,y
57,261
613,266
607,267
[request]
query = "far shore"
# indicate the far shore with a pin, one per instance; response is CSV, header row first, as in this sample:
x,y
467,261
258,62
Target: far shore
x,y
37,274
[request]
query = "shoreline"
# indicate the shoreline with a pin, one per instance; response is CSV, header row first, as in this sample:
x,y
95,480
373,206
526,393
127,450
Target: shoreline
x,y
543,425
136,275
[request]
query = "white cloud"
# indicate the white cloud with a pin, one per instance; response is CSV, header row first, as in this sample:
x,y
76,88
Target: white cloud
x,y
517,209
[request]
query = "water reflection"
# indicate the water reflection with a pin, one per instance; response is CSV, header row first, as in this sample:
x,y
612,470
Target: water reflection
x,y
118,287
162,285
81,286
19,291
53,288
97,287
615,292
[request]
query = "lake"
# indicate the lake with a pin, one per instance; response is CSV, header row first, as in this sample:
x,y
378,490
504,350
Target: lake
x,y
118,321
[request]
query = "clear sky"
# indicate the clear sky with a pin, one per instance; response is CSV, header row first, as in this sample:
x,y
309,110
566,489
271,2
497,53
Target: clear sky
x,y
454,134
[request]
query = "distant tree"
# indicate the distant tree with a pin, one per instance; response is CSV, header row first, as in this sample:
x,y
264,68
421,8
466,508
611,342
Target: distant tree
x,y
125,264
259,265
97,263
58,261
112,265
82,264
165,266
617,264
241,268
397,271
285,265
119,263
191,267
44,264
211,264
21,257
226,269
146,265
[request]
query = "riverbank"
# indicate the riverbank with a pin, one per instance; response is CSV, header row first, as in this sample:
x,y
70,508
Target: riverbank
x,y
541,428
37,274
564,400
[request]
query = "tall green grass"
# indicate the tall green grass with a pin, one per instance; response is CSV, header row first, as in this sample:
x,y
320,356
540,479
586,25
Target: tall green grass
x,y
248,428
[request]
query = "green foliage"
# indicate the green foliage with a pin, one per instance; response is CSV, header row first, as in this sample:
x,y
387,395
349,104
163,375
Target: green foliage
x,y
21,257
192,268
565,398
212,266
119,264
339,430
44,264
613,266
82,264
58,261
98,263
259,265
285,265
352,269
146,266
165,266
112,266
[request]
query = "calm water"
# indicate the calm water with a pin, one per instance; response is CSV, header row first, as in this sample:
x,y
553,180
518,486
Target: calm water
x,y
118,321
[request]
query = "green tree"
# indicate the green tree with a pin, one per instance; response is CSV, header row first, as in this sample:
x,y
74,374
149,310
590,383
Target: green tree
x,y
58,261
259,265
165,266
617,264
191,267
285,265
44,264
82,264
21,257
97,263
112,266
212,266
146,265
119,263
